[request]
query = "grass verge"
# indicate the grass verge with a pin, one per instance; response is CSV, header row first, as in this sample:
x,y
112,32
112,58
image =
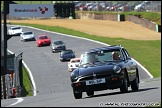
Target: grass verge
x,y
26,88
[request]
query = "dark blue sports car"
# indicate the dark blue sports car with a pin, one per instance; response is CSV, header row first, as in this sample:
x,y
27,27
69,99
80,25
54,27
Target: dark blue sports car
x,y
66,55
105,68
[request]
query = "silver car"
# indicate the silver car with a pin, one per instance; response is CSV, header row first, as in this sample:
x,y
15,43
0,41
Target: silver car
x,y
57,46
27,36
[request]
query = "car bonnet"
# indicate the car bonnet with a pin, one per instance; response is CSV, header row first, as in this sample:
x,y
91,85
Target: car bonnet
x,y
96,69
30,35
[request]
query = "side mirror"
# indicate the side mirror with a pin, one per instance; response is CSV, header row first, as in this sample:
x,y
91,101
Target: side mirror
x,y
129,57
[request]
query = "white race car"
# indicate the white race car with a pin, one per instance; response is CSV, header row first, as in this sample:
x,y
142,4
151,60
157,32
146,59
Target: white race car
x,y
16,30
27,35
73,64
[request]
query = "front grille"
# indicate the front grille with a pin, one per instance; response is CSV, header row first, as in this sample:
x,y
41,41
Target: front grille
x,y
91,77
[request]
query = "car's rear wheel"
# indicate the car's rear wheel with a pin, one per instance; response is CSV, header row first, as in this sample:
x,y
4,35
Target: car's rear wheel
x,y
77,95
90,93
124,87
135,83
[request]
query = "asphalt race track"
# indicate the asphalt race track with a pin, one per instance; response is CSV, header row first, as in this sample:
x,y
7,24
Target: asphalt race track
x,y
52,79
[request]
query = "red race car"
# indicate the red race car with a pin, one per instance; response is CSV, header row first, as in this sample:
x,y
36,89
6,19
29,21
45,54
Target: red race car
x,y
43,40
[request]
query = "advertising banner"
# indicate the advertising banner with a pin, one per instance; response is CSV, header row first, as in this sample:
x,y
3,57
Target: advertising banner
x,y
31,10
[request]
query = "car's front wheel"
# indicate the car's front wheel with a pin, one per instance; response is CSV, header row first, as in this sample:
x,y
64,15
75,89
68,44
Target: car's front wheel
x,y
135,83
38,45
77,95
124,87
90,93
53,51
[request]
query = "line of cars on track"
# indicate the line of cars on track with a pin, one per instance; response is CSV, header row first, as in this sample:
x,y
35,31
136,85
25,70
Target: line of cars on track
x,y
44,40
97,69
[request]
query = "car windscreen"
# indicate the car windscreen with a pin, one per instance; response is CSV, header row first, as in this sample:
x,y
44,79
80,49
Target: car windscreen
x,y
75,61
27,33
15,28
43,37
66,52
58,42
100,56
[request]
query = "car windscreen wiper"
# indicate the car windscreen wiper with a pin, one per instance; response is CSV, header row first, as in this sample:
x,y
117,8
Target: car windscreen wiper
x,y
86,64
99,61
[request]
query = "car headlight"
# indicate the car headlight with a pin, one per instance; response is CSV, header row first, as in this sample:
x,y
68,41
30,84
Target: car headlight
x,y
77,65
73,78
74,75
73,55
117,69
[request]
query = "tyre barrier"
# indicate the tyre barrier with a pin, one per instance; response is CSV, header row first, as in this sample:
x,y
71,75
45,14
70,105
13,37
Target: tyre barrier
x,y
121,17
158,28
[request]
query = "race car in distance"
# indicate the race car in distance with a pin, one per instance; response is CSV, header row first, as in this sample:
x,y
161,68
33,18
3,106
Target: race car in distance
x,y
15,30
43,40
109,67
58,45
27,36
73,64
66,55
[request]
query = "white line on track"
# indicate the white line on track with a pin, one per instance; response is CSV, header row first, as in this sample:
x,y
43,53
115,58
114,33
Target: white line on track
x,y
18,101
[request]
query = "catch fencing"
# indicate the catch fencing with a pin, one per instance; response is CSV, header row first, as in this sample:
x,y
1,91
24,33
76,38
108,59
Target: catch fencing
x,y
120,6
